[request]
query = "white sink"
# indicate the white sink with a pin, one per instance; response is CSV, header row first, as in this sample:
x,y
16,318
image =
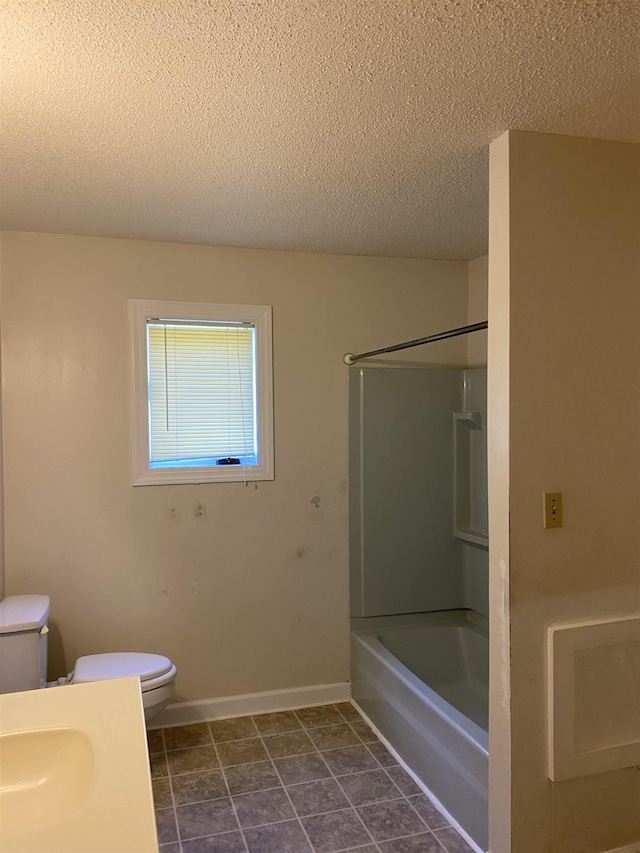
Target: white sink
x,y
45,775
74,772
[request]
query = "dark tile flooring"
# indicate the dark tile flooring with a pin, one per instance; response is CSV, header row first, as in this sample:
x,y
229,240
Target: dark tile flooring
x,y
315,780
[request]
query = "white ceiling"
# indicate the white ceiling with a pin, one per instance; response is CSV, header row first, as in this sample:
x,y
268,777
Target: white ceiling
x,y
348,126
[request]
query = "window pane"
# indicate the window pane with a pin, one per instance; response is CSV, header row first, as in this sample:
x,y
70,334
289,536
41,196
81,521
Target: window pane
x,y
201,392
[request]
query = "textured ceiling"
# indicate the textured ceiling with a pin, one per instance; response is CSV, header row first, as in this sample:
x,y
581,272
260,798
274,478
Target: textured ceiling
x,y
354,126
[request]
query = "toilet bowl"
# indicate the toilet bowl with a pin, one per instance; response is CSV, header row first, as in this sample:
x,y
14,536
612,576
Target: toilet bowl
x,y
23,657
157,675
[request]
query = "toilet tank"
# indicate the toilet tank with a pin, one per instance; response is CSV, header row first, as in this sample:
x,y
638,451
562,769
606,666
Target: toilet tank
x,y
23,642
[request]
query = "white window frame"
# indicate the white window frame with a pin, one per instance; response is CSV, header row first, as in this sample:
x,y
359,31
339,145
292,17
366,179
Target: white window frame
x,y
140,310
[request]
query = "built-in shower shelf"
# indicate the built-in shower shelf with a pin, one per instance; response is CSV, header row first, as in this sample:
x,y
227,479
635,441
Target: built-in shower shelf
x,y
470,479
477,537
470,420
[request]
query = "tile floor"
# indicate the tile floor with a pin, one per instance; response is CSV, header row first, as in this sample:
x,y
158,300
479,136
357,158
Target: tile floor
x,y
315,780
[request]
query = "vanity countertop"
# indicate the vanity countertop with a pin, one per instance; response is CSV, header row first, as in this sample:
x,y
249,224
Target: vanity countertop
x,y
74,770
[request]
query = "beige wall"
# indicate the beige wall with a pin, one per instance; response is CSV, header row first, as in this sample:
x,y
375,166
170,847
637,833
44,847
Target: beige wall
x,y
564,276
253,596
477,310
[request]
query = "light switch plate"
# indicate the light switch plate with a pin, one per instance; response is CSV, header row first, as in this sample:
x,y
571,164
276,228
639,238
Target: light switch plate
x,y
552,509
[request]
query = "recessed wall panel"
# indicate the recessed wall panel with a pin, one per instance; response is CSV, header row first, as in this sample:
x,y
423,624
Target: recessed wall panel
x,y
593,697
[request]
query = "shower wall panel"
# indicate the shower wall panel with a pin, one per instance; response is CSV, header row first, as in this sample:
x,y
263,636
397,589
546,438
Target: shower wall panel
x,y
403,555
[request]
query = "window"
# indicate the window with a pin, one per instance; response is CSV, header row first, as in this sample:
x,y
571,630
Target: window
x,y
201,392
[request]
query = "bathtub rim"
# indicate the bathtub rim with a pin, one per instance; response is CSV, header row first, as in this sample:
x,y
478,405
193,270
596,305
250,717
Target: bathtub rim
x,y
368,637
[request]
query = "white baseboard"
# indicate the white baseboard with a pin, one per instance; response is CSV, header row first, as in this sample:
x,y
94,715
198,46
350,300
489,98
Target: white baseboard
x,y
202,710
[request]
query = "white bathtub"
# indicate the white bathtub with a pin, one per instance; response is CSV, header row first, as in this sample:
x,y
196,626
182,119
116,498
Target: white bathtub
x,y
423,681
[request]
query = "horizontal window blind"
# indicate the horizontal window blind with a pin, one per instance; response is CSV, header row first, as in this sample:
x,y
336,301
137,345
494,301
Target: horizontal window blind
x,y
202,391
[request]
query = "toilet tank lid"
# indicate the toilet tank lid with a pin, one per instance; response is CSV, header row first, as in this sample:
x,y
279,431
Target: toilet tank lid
x,y
23,613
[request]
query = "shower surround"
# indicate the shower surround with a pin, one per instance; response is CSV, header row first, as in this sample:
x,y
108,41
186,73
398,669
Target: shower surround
x,y
419,575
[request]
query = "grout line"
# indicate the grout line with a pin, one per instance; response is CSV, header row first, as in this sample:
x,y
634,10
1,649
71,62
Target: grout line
x,y
173,799
311,814
401,794
296,815
275,823
170,776
229,740
300,728
335,778
353,807
226,785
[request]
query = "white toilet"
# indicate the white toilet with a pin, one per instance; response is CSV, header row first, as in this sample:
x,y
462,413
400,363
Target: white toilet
x,y
23,657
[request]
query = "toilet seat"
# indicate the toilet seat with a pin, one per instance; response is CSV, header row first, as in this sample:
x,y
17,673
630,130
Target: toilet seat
x,y
153,670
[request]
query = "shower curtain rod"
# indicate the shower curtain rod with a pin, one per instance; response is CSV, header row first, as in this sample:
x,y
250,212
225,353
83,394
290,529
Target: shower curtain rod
x,y
350,358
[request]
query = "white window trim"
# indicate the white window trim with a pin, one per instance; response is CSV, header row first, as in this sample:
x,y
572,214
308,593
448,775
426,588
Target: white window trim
x,y
260,316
